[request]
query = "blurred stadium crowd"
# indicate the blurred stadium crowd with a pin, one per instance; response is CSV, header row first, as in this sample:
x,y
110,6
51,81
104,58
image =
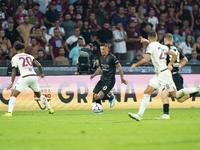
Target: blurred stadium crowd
x,y
58,30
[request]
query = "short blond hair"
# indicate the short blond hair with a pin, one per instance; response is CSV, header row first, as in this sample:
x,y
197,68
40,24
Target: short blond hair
x,y
168,37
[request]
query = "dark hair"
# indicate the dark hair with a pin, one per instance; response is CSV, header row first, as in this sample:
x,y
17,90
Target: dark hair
x,y
55,29
79,20
61,48
19,46
67,14
76,28
40,50
121,7
132,21
26,16
33,38
36,4
139,49
31,31
58,20
187,43
80,39
104,44
4,37
176,28
106,22
152,34
18,39
117,23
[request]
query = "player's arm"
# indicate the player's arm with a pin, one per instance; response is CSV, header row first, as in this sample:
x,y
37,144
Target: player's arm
x,y
13,77
98,71
183,62
143,40
51,52
118,65
39,68
142,61
174,57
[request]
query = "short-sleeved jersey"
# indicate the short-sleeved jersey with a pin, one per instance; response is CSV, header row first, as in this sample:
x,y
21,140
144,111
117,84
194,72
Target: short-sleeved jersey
x,y
24,62
158,55
179,57
107,64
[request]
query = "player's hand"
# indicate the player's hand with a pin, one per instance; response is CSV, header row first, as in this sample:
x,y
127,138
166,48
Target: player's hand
x,y
10,86
41,75
133,66
143,40
91,77
170,67
124,81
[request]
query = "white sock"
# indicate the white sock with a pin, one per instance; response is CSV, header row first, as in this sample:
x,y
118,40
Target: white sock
x,y
144,104
185,91
11,104
44,101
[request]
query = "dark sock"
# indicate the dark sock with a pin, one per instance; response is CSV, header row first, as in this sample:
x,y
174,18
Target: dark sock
x,y
166,109
98,101
193,94
107,97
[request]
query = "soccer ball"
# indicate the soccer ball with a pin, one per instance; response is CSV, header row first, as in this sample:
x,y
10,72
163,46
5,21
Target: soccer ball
x,y
97,108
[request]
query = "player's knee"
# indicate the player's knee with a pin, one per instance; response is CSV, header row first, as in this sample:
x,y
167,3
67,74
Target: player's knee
x,y
147,92
179,100
100,95
95,97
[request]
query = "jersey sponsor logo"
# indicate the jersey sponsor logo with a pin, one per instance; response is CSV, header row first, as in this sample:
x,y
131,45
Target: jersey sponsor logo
x,y
59,7
58,43
135,34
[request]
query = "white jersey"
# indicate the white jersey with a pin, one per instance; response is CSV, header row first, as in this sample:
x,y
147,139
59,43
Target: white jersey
x,y
158,55
25,64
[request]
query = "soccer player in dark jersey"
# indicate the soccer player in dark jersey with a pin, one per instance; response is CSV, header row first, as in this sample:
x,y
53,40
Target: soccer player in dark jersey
x,y
177,77
107,65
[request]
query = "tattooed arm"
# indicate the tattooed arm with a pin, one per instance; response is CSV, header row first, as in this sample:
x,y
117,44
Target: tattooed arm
x,y
98,71
39,68
13,77
121,73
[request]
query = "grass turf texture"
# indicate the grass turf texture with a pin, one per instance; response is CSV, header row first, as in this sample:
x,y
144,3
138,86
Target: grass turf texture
x,y
114,130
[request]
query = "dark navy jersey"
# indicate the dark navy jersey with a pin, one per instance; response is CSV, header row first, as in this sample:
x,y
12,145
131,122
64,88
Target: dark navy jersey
x,y
179,57
108,67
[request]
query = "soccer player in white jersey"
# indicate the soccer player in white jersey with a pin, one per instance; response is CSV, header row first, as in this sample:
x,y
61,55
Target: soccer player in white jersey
x,y
158,54
28,78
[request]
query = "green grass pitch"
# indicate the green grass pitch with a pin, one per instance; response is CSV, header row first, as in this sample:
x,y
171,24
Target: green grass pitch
x,y
114,130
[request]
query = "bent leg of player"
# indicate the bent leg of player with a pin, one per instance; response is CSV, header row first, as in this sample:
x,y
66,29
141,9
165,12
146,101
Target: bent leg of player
x,y
33,84
186,97
106,89
165,101
44,101
153,85
187,91
96,90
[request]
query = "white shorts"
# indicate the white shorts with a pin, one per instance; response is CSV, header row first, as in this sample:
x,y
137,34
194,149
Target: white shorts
x,y
30,81
165,79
